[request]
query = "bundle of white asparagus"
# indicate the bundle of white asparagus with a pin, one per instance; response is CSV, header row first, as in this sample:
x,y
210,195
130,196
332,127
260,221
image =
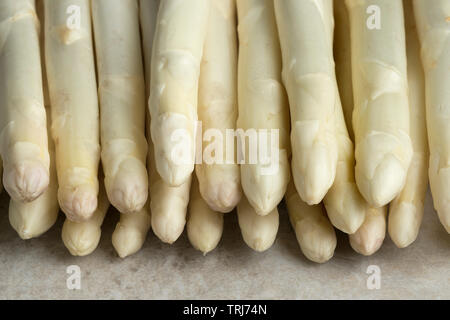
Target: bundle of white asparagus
x,y
194,106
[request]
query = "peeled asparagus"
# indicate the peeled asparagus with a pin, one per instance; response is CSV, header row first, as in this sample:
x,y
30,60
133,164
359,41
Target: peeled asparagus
x,y
381,115
75,115
406,211
313,230
370,236
131,231
433,26
168,204
204,225
220,184
306,31
263,106
259,232
178,46
23,124
81,238
122,102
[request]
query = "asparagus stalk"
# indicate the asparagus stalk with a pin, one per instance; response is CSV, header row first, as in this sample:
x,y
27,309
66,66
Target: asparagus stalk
x,y
178,46
262,103
344,205
75,115
343,202
313,230
433,26
36,217
217,105
370,236
368,233
381,116
259,232
306,30
23,131
131,231
168,204
406,211
122,102
81,238
204,225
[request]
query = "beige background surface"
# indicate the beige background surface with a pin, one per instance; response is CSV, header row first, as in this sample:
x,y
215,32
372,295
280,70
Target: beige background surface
x,y
36,269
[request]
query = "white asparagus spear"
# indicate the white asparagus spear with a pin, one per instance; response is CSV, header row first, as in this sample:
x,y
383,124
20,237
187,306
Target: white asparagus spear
x,y
168,204
204,225
36,217
73,94
314,232
433,26
177,52
122,102
131,231
23,124
381,115
263,105
370,236
406,211
344,205
220,184
81,238
259,232
343,65
306,30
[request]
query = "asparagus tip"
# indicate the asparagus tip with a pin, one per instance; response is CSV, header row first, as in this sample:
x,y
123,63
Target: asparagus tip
x,y
26,181
78,204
